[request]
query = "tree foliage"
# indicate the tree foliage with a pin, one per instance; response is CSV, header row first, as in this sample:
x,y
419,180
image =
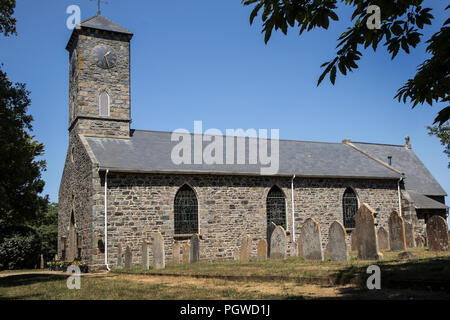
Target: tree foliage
x,y
7,22
20,171
401,23
443,133
46,225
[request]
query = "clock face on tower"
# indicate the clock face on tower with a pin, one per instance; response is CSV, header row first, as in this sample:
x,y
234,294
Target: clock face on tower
x,y
105,57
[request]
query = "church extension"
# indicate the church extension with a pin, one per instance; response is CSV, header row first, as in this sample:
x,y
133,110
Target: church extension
x,y
129,175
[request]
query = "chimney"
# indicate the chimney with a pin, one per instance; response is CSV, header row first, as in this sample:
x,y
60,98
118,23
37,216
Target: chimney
x,y
407,142
390,160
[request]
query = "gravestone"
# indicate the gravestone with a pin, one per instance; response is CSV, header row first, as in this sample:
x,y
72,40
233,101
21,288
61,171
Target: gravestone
x,y
420,241
176,253
119,256
159,256
187,253
353,241
366,234
383,239
299,246
144,255
195,248
397,239
437,234
261,250
128,258
246,244
337,244
409,235
278,244
311,240
42,261
270,229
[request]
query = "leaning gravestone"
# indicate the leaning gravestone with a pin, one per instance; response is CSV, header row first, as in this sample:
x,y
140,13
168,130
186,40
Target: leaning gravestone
x,y
195,248
299,246
144,249
409,235
337,244
159,256
246,243
278,244
270,228
311,240
383,239
176,253
397,239
437,234
261,250
186,253
366,234
128,257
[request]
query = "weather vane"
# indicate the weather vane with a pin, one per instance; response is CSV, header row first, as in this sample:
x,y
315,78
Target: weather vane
x,y
99,5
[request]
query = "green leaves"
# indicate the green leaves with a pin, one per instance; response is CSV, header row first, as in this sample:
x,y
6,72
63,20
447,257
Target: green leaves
x,y
7,22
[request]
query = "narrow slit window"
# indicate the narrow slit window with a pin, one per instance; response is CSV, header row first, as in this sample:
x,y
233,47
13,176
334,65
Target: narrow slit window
x,y
350,206
103,104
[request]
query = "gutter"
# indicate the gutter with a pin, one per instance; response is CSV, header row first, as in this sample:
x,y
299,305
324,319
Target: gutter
x,y
106,220
292,205
399,197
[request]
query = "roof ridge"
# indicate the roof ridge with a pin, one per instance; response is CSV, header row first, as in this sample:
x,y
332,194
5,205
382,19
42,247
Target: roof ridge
x,y
350,144
380,144
291,140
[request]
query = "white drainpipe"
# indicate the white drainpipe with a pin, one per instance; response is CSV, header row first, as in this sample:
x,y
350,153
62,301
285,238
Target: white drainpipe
x,y
292,199
399,198
106,220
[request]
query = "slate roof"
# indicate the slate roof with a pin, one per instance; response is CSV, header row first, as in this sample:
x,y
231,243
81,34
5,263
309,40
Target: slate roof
x,y
423,202
150,151
102,23
418,178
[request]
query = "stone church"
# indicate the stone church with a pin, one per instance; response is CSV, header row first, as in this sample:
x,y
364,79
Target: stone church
x,y
119,184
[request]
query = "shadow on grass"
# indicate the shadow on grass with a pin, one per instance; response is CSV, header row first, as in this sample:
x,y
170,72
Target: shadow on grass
x,y
28,279
430,273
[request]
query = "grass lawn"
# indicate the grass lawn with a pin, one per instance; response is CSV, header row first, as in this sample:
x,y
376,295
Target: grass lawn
x,y
424,278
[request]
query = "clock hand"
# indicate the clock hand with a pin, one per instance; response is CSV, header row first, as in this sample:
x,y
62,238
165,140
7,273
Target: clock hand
x,y
107,63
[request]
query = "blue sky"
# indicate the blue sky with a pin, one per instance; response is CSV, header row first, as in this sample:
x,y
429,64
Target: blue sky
x,y
201,60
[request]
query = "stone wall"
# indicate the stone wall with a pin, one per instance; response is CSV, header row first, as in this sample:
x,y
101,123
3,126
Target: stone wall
x,y
229,208
75,195
89,80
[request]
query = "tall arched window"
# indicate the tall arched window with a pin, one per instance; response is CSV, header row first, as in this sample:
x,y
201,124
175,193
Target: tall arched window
x,y
350,206
186,211
276,207
103,104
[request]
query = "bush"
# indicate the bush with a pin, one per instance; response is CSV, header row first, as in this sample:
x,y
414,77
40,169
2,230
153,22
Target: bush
x,y
19,248
61,265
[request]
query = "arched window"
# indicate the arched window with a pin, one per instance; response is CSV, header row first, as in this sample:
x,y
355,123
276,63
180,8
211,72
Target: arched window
x,y
103,104
276,207
349,206
186,211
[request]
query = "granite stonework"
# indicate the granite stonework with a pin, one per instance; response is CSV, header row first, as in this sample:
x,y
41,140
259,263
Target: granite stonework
x,y
311,240
278,244
437,234
366,234
337,243
139,204
397,238
383,239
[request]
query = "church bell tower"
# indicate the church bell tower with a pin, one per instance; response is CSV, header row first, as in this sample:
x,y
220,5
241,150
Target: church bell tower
x,y
99,85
